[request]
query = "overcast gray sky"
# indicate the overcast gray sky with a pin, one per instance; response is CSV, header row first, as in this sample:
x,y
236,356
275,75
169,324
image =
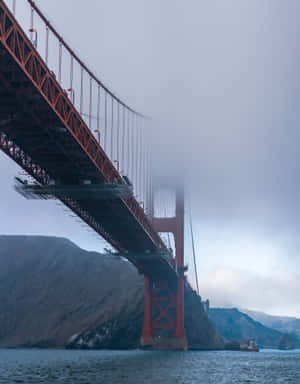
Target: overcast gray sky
x,y
221,81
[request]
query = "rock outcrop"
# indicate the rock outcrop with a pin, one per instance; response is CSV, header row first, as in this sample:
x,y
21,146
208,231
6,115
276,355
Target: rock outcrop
x,y
54,294
235,325
283,324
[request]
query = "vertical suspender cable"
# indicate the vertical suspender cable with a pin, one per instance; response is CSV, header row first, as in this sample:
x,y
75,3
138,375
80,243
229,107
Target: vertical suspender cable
x,y
31,22
91,104
112,130
150,177
145,169
81,90
141,160
138,168
168,233
71,75
151,193
128,143
105,138
47,44
148,180
145,174
136,154
123,140
142,165
98,113
159,203
132,149
59,61
133,153
118,133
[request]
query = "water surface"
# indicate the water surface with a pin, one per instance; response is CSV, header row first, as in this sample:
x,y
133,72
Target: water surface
x,y
142,367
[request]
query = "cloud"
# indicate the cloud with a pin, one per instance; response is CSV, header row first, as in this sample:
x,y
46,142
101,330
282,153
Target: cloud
x,y
222,85
277,294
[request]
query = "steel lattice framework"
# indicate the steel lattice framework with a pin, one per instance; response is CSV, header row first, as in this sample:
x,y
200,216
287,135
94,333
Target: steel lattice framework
x,y
16,43
42,130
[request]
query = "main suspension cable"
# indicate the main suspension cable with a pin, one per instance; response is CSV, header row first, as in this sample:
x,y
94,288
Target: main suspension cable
x,y
193,246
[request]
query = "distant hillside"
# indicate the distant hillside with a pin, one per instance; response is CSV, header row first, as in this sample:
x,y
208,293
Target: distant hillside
x,y
281,323
235,325
51,290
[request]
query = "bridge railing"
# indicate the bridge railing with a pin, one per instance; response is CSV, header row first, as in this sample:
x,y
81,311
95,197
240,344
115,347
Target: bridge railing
x,y
118,128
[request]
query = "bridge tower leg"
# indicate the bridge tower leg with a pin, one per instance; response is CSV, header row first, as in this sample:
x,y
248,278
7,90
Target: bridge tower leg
x,y
164,300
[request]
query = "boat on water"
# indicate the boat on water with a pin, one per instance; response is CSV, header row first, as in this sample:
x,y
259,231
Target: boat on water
x,y
244,345
249,346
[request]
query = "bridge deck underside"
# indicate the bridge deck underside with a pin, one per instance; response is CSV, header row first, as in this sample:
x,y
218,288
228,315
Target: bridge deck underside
x,y
29,122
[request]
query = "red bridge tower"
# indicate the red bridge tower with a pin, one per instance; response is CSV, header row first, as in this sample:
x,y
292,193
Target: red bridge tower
x,y
164,299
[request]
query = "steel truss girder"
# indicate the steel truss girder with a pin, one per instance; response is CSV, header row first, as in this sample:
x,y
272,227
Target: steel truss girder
x,y
76,192
167,270
16,43
22,159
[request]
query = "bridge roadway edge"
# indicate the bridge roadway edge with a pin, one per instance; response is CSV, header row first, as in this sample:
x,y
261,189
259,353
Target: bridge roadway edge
x,y
28,67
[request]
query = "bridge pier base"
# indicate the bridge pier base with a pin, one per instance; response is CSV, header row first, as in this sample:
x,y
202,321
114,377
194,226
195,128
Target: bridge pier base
x,y
163,316
166,344
147,330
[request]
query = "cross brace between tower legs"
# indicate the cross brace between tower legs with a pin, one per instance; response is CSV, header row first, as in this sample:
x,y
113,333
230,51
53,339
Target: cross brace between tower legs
x,y
164,300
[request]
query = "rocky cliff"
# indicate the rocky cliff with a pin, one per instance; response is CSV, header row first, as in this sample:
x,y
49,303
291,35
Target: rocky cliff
x,y
235,325
54,294
283,324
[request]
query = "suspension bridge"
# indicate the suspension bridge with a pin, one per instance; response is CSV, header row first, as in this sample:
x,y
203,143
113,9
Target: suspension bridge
x,y
79,143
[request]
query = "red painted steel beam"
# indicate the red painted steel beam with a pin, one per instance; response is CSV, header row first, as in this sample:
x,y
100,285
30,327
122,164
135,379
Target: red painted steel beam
x,y
165,224
17,44
12,150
